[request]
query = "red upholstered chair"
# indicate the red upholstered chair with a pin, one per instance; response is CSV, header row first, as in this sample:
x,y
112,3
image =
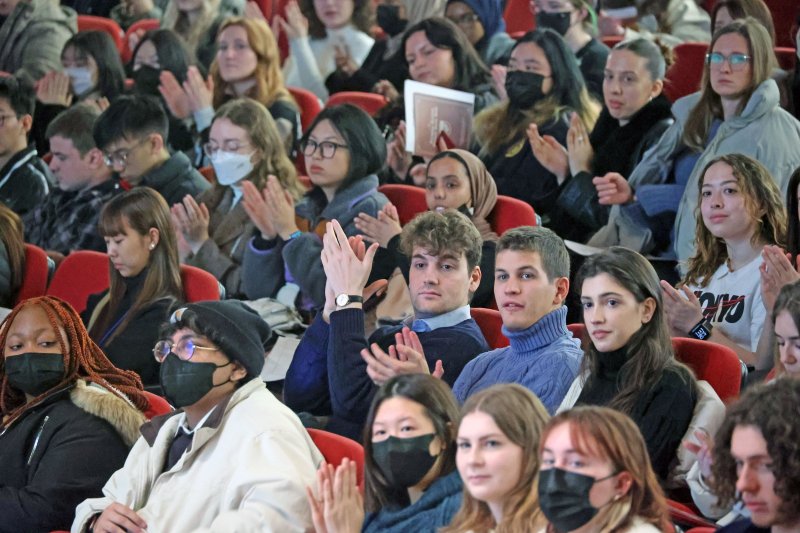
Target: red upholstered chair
x,y
510,213
198,285
578,331
787,58
369,102
784,15
702,530
158,405
79,275
685,517
490,322
335,448
684,76
715,363
308,103
409,200
518,16
37,272
139,25
208,173
92,23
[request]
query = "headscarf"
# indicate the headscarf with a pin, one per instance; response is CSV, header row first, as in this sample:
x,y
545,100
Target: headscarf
x,y
490,13
483,190
416,10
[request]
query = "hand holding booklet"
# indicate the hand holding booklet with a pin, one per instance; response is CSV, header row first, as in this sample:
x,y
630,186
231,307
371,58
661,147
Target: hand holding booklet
x,y
434,113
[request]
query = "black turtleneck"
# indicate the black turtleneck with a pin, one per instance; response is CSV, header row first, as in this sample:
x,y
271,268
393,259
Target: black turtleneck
x,y
662,412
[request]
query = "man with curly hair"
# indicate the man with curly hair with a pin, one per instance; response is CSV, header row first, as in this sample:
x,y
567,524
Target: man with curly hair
x,y
757,458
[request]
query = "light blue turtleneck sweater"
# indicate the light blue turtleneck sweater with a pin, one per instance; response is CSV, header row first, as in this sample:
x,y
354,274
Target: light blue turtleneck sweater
x,y
545,358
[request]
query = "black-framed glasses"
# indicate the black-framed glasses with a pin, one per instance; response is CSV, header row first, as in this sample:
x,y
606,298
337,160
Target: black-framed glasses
x,y
736,61
184,349
120,157
326,148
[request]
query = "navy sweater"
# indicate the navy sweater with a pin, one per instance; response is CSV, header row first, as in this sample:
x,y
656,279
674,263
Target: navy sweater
x,y
328,377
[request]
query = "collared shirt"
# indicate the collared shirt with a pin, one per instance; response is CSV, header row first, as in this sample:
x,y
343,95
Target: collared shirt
x,y
445,320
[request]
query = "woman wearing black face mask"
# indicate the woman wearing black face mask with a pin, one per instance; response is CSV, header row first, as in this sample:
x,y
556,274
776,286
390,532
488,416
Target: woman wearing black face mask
x,y
411,483
596,475
574,21
543,87
69,416
385,62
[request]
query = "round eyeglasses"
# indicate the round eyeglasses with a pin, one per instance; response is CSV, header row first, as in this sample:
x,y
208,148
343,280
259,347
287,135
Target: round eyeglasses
x,y
326,148
735,61
184,349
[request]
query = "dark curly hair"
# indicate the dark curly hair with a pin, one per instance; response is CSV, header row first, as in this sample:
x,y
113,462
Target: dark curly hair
x,y
363,17
774,410
438,233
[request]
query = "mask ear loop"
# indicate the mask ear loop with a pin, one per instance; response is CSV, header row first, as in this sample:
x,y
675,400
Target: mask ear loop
x,y
592,16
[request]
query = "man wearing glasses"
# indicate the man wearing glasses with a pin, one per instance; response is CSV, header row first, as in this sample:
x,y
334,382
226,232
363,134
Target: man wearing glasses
x,y
132,134
232,458
25,179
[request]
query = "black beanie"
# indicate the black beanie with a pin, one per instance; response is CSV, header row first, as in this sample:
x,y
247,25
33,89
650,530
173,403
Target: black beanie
x,y
237,329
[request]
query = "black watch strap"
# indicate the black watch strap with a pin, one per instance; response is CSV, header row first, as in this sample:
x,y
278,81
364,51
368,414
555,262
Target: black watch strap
x,y
702,330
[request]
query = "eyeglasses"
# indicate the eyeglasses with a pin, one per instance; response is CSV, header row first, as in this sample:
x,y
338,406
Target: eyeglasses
x,y
326,148
735,61
467,19
228,146
3,119
120,157
184,349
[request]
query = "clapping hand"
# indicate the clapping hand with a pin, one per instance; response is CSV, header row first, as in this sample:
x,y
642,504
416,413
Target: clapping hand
x,y
612,189
776,271
683,309
550,154
578,146
191,220
339,506
405,357
381,229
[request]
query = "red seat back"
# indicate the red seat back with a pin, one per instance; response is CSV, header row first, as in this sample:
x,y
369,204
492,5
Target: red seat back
x,y
93,23
37,272
140,25
369,102
208,173
335,448
158,405
684,76
715,363
684,516
490,322
611,40
510,213
784,15
198,285
409,200
787,58
308,103
79,275
518,16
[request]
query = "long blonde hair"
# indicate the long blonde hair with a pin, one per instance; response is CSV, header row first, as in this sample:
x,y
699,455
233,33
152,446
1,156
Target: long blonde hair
x,y
178,21
269,85
763,203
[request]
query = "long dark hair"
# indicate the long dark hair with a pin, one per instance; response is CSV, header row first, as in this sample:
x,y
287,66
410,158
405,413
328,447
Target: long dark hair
x,y
650,348
362,17
13,238
792,210
440,406
173,54
101,48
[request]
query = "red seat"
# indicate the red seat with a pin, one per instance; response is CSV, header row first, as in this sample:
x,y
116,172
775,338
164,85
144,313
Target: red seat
x,y
684,76
308,103
37,272
92,23
208,173
80,274
140,25
158,405
335,448
578,331
702,530
611,40
787,58
712,362
685,517
490,322
510,213
518,16
784,15
198,284
409,200
369,102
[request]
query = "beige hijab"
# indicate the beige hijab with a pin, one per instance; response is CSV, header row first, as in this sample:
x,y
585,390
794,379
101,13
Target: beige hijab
x,y
483,190
416,10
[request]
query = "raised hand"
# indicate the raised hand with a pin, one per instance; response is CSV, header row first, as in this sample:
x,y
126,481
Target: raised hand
x,y
295,24
499,80
380,229
192,220
54,89
612,189
776,271
199,92
255,206
550,154
683,309
397,158
405,357
578,146
347,273
174,95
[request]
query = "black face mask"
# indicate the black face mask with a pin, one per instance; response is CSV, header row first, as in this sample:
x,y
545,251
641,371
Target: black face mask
x,y
524,89
404,462
184,382
564,498
35,373
146,80
388,18
559,22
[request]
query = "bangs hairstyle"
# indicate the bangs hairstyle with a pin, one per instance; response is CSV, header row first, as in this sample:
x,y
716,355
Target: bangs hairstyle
x,y
442,233
269,86
772,409
650,347
173,55
83,359
362,18
440,407
12,234
365,143
142,208
253,117
762,202
521,417
609,435
709,106
739,9
443,34
130,117
99,46
788,300
501,125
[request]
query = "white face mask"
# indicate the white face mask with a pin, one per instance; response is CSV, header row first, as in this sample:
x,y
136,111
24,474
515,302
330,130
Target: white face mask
x,y
81,79
231,167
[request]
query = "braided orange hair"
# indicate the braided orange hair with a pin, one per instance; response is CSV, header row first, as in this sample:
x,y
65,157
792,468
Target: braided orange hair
x,y
83,359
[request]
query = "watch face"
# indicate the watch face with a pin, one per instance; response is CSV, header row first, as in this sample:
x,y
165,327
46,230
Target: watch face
x,y
701,332
342,300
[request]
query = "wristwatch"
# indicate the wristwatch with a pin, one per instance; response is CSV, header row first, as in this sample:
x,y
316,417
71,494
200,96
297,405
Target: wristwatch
x,y
347,299
702,331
